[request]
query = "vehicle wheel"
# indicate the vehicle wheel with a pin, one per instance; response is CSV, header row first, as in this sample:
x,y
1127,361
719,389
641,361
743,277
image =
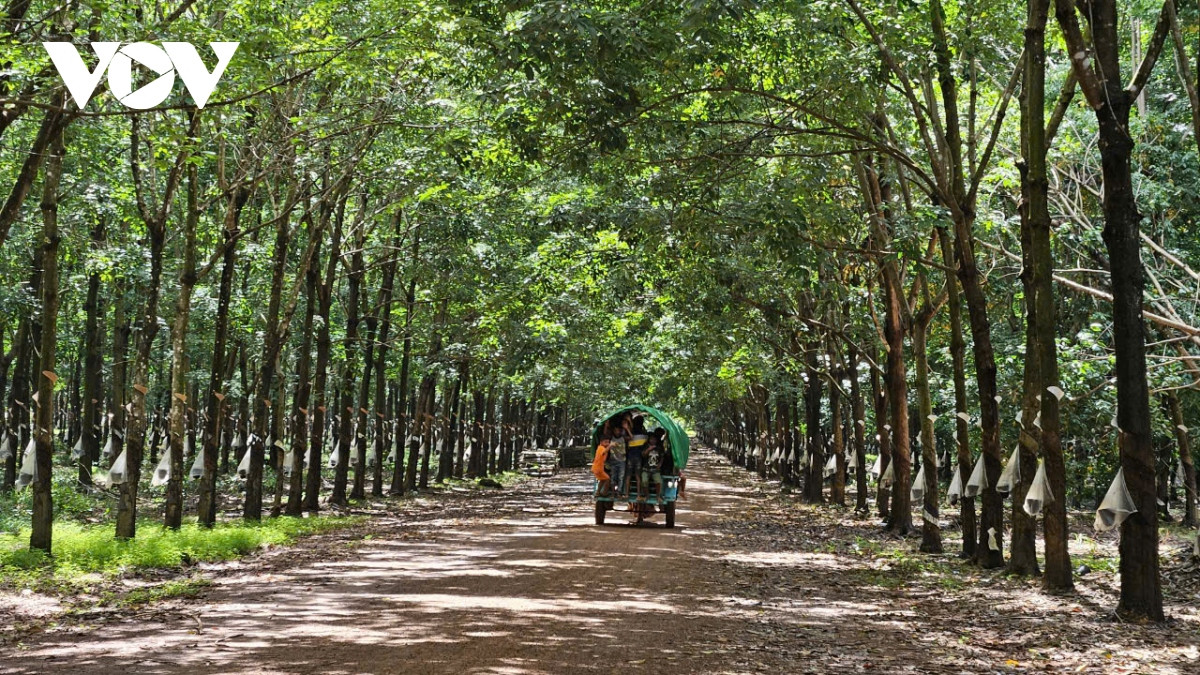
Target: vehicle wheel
x,y
669,509
600,513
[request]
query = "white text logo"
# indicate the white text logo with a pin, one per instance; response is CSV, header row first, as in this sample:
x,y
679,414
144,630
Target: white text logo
x,y
117,60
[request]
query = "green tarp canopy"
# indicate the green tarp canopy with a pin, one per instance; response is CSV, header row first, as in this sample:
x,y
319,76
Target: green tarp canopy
x,y
675,433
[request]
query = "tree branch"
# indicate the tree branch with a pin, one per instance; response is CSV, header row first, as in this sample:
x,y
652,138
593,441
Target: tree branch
x,y
1142,75
1068,20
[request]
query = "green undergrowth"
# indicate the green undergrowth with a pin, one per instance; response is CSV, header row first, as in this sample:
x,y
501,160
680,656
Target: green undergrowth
x,y
16,507
82,550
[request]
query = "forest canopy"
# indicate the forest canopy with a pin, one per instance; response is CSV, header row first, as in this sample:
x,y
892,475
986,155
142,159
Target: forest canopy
x,y
405,242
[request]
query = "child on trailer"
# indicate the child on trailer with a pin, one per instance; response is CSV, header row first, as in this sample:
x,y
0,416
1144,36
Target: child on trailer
x,y
634,449
651,468
616,464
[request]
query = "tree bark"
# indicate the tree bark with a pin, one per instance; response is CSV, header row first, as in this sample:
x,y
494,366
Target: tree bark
x,y
43,500
179,362
382,419
458,416
359,491
1057,576
931,533
962,429
1185,458
207,508
407,424
814,492
300,406
858,412
1141,589
883,433
837,493
900,518
93,366
263,414
346,389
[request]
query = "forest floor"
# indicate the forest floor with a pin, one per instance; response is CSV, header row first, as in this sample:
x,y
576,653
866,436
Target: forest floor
x,y
521,581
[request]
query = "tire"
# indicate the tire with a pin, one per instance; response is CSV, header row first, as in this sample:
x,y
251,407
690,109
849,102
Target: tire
x,y
600,513
669,509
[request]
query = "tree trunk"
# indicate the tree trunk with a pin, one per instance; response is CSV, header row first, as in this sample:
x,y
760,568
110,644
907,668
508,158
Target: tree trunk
x,y
155,218
428,424
900,519
1141,591
449,424
9,467
179,363
279,422
989,552
384,328
359,491
410,296
478,461
207,508
1023,549
136,421
1185,458
122,329
1057,576
43,501
962,428
458,415
859,413
319,406
837,493
931,533
1141,586
263,414
883,433
18,399
93,368
814,492
346,406
300,407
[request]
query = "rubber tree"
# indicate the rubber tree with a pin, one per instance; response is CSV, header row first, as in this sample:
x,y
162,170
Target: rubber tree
x,y
1036,219
43,500
177,423
1098,69
154,216
91,407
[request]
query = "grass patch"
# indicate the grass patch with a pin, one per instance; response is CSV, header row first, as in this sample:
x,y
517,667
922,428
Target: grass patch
x,y
16,507
80,549
1097,563
507,479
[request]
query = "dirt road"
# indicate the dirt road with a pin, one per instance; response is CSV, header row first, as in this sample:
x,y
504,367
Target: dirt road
x,y
533,586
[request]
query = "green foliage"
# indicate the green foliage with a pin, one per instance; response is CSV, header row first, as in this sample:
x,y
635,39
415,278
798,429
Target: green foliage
x,y
70,503
595,202
84,549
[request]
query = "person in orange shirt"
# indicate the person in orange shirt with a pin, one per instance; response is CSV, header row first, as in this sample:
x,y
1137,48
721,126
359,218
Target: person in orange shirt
x,y
601,459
